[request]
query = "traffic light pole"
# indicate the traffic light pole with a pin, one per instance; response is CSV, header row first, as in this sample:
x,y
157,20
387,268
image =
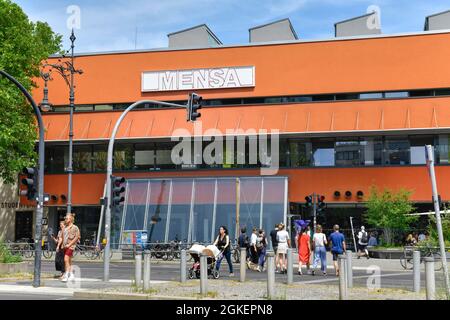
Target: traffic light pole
x,y
40,200
314,215
109,174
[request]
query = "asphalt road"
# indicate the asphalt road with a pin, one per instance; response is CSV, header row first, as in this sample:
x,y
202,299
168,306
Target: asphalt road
x,y
171,271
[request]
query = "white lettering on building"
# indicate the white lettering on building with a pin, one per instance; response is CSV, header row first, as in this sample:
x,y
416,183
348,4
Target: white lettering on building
x,y
214,78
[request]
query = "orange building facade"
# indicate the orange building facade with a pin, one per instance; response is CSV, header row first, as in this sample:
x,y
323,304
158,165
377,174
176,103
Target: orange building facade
x,y
350,114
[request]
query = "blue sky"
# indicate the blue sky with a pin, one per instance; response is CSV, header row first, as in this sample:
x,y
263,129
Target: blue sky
x,y
111,24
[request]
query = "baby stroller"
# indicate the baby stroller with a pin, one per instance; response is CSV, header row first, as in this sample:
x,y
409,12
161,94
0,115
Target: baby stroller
x,y
213,254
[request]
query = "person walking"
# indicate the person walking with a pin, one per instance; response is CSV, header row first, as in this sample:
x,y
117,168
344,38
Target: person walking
x,y
243,242
59,256
274,242
304,248
320,251
71,236
261,245
338,246
223,244
253,262
363,240
284,243
372,240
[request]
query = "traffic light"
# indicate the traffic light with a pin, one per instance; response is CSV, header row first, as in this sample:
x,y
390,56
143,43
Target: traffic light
x,y
30,182
117,191
320,203
194,104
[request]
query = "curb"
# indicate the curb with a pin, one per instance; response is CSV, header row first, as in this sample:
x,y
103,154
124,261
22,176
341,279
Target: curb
x,y
124,296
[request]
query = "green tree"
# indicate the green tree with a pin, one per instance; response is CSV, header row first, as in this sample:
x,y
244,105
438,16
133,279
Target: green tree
x,y
388,210
23,46
432,228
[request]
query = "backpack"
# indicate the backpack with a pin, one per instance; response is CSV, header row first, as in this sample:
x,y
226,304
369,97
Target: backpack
x,y
243,241
364,237
260,242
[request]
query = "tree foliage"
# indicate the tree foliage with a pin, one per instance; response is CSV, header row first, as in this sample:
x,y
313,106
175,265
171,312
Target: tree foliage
x,y
23,46
388,210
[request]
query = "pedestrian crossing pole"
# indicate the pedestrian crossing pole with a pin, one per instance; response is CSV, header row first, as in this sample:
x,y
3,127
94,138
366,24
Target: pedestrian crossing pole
x,y
238,195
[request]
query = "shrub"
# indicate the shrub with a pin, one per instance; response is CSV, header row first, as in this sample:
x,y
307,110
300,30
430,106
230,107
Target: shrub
x,y
6,256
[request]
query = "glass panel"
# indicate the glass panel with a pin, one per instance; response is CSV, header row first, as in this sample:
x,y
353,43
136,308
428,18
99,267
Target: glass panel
x,y
82,158
371,151
56,158
180,210
88,107
397,94
203,210
418,148
136,203
123,157
347,153
164,157
442,149
442,92
323,153
273,203
300,153
373,95
421,93
250,203
157,210
103,107
397,151
144,156
100,155
226,206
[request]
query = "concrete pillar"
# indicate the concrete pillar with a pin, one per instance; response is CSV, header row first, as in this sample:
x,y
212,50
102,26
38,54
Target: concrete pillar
x,y
147,268
416,270
270,275
429,278
342,275
243,264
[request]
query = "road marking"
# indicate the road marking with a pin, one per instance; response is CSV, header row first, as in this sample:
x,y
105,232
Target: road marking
x,y
357,277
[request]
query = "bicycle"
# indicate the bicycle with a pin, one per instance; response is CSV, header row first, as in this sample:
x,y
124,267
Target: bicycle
x,y
235,252
407,262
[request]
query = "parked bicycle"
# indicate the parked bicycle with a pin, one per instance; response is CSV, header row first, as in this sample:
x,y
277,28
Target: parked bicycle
x,y
425,251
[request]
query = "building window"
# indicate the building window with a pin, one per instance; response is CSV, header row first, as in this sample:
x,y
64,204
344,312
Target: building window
x,y
371,151
442,149
323,153
397,151
144,156
300,153
123,157
82,158
163,157
99,158
418,144
347,153
397,94
373,95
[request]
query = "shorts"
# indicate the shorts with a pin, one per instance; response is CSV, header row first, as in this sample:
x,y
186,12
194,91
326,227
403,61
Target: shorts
x,y
335,255
362,247
282,248
68,252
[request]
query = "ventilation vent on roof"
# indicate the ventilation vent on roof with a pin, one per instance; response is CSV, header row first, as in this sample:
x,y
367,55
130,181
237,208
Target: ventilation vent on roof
x,y
280,30
198,36
438,21
367,24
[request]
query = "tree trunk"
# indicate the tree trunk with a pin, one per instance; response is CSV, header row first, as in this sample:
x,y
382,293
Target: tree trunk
x,y
387,235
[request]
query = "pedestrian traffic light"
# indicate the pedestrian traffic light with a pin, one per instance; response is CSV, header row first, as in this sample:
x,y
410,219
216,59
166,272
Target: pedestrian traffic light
x,y
117,191
30,182
320,203
308,200
194,104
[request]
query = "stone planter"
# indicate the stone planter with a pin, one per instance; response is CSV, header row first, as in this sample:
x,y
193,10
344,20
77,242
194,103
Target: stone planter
x,y
6,268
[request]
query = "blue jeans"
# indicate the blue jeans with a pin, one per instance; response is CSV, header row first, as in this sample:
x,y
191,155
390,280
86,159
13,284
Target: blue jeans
x,y
262,257
227,255
320,254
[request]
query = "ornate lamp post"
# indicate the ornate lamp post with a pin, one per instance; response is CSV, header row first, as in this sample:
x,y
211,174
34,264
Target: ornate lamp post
x,y
67,70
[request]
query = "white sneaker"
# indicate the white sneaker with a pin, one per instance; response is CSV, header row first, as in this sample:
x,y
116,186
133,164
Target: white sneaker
x,y
65,277
71,277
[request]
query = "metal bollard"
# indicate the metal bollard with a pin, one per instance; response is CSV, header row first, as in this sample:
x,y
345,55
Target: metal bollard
x,y
429,278
349,269
138,268
147,268
183,262
342,275
203,274
270,275
243,264
416,270
290,267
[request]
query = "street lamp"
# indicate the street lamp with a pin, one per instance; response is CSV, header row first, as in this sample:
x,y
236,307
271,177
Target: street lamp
x,y
67,70
45,105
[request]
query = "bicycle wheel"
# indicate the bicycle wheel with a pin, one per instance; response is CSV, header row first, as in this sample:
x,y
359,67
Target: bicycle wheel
x,y
437,261
236,256
48,254
407,262
28,251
